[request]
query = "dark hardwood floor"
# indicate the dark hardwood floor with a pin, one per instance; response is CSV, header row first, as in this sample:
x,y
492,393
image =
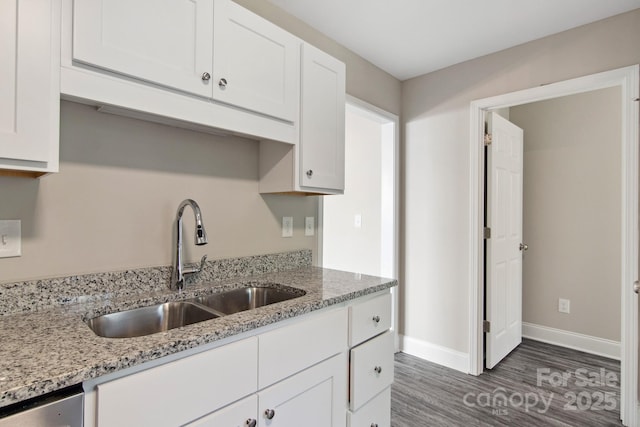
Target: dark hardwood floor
x,y
536,385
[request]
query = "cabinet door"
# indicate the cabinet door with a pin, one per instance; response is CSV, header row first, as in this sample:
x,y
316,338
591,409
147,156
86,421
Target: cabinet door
x,y
168,43
322,120
313,398
256,64
239,414
29,81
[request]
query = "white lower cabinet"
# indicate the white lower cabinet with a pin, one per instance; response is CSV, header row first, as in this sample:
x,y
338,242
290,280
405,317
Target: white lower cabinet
x,y
370,362
299,374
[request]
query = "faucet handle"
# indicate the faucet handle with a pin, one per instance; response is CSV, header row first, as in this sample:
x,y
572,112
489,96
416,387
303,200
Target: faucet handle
x,y
194,270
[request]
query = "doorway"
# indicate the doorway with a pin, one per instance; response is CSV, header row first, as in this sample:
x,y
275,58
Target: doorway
x,y
358,231
627,80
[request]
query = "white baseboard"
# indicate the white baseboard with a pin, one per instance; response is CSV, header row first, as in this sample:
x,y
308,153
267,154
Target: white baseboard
x,y
586,343
434,353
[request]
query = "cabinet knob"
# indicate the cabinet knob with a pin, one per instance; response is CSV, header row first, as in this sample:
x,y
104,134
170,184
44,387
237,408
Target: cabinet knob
x,y
378,369
222,84
251,422
374,424
310,173
269,413
376,319
524,247
206,76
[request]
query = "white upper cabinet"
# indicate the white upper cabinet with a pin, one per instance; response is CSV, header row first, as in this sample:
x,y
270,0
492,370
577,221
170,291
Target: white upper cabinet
x,y
169,43
322,120
29,86
215,49
315,166
256,64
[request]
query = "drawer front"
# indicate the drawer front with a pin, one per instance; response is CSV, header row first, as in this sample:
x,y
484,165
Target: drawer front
x,y
290,349
377,412
371,369
368,319
180,391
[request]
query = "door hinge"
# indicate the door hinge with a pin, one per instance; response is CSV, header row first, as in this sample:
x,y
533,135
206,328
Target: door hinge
x,y
486,326
488,138
486,233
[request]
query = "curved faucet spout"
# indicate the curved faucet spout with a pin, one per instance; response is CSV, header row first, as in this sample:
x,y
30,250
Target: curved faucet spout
x,y
179,272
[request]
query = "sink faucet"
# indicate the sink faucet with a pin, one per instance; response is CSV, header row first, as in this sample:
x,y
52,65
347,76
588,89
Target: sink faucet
x,y
179,271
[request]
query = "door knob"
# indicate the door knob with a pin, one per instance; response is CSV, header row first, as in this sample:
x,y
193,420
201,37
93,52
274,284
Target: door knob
x,y
636,287
523,247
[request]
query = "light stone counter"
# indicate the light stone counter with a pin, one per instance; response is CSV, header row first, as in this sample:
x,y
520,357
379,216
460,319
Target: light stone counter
x,y
47,346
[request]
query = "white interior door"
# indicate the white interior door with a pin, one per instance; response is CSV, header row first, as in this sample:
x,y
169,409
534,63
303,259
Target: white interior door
x,y
504,254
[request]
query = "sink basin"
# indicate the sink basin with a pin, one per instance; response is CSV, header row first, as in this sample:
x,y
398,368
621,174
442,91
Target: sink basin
x,y
247,298
149,320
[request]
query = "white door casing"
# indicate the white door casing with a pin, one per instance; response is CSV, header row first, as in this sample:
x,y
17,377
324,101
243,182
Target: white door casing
x,y
627,80
504,257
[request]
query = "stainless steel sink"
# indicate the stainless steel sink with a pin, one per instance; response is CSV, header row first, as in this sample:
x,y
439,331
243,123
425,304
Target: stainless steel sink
x,y
149,320
243,299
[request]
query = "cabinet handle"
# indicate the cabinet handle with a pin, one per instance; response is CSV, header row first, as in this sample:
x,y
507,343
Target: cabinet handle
x,y
376,319
310,173
378,369
222,84
206,76
251,422
269,413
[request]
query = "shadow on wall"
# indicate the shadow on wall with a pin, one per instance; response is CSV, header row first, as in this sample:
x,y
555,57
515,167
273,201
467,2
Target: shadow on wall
x,y
103,139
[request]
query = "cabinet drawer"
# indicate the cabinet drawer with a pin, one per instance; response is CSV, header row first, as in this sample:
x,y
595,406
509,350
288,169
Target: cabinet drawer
x,y
290,349
180,391
371,369
369,318
240,414
377,412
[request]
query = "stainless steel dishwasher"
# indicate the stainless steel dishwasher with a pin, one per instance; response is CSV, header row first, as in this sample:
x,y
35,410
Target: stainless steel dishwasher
x,y
55,410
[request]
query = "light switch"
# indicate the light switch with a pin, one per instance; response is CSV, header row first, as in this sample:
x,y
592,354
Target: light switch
x,y
309,227
287,226
10,242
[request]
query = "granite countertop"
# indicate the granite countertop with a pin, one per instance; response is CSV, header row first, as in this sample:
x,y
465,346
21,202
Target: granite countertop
x,y
52,348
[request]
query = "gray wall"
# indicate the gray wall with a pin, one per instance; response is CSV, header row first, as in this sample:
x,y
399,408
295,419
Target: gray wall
x,y
113,203
364,80
572,197
435,114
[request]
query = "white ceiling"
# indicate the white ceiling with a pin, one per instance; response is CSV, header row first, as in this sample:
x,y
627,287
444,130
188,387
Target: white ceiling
x,y
408,38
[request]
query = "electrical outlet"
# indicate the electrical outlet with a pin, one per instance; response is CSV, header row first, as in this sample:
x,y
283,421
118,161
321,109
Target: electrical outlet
x,y
10,238
309,227
564,305
287,226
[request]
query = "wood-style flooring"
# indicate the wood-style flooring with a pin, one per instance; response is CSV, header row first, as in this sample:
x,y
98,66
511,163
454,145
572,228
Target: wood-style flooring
x,y
537,385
